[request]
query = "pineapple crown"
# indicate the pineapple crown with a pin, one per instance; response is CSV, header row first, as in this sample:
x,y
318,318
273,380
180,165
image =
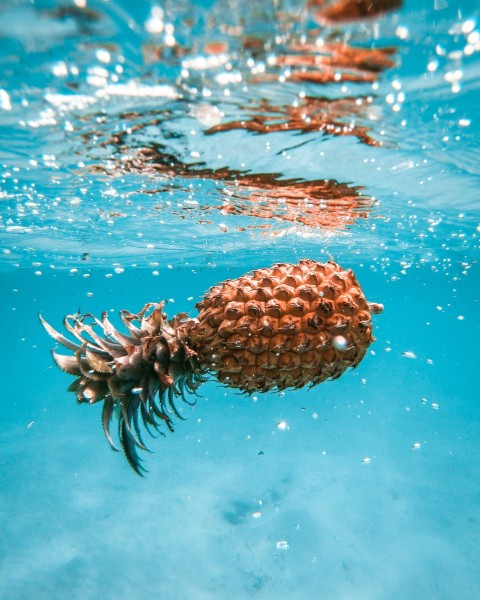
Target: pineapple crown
x,y
138,376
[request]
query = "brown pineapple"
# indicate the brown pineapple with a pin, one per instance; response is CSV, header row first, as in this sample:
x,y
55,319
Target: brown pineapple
x,y
282,327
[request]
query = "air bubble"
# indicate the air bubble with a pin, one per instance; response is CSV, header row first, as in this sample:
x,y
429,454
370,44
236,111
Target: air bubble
x,y
340,343
5,103
103,55
468,26
282,545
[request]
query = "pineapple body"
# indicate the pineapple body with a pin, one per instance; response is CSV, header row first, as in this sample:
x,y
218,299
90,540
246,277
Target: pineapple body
x,y
283,327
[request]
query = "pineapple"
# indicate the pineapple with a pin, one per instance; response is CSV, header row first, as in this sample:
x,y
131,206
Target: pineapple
x,y
281,327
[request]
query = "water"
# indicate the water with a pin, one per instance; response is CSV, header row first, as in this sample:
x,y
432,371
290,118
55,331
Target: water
x,y
149,153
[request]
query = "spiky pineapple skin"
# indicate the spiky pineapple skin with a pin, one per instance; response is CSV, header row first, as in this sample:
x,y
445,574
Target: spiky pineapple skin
x,y
283,327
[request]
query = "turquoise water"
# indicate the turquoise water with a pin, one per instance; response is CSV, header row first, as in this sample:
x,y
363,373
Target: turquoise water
x,y
361,488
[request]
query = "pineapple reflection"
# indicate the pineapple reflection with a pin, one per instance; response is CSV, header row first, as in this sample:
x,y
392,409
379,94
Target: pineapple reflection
x,y
339,11
274,48
323,203
334,63
282,327
262,42
329,116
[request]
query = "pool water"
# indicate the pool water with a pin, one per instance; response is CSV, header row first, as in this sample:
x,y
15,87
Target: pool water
x,y
150,150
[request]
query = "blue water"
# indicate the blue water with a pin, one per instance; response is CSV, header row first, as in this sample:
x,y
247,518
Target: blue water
x,y
365,488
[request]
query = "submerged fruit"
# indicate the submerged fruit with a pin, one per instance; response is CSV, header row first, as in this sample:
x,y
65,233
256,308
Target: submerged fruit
x,y
282,327
276,328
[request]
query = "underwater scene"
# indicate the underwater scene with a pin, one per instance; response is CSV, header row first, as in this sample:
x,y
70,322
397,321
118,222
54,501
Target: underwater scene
x,y
240,291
